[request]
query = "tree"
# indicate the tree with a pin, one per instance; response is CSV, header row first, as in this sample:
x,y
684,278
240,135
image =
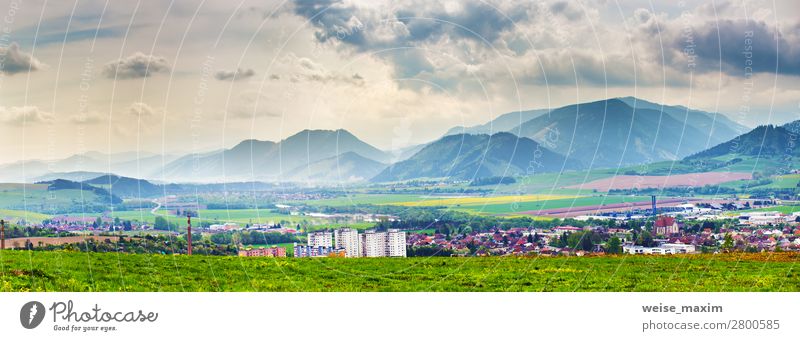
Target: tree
x,y
98,222
727,244
161,223
586,242
645,239
614,246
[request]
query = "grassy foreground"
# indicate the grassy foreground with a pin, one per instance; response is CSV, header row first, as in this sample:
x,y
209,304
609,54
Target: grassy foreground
x,y
74,271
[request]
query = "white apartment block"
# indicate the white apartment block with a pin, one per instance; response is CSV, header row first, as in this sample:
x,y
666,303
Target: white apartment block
x,y
373,244
320,239
348,240
383,244
396,243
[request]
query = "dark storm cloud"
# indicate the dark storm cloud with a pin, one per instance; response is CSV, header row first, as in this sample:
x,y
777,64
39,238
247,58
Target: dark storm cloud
x,y
739,47
475,20
408,26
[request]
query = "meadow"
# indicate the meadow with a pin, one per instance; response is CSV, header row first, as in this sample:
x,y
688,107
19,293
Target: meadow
x,y
16,215
778,182
75,271
784,209
496,204
35,197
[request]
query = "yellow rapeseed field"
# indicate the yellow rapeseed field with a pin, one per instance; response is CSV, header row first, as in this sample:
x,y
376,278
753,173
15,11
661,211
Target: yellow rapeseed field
x,y
439,201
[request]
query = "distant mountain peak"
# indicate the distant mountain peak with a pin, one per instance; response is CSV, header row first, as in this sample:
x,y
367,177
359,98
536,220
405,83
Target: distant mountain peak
x,y
469,156
266,161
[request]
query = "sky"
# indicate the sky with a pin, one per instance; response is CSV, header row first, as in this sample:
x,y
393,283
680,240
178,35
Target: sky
x,y
194,76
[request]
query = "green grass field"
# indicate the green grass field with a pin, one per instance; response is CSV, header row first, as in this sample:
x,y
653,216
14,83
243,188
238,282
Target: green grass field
x,y
487,204
778,182
73,271
15,215
782,209
37,198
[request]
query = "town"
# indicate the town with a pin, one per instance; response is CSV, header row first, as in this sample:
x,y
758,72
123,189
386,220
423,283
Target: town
x,y
682,227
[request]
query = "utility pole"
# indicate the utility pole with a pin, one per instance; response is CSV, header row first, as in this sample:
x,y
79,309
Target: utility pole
x,y
189,234
2,234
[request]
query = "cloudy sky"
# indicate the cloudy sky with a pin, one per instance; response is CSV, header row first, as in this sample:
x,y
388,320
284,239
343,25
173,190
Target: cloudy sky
x,y
194,76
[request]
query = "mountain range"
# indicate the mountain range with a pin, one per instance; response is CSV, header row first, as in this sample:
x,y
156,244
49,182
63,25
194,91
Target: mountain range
x,y
621,132
267,160
600,134
503,123
85,166
468,156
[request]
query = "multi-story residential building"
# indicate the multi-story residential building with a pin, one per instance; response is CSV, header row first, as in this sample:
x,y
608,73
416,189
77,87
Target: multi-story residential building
x,y
320,239
264,252
347,239
396,243
391,243
373,244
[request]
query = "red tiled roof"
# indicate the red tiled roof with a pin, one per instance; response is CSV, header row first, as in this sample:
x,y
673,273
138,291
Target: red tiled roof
x,y
664,221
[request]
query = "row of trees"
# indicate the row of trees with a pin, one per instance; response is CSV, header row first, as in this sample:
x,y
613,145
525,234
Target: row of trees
x,y
149,244
253,237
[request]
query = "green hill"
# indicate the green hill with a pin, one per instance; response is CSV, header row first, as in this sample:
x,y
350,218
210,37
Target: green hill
x,y
60,196
126,187
103,194
766,141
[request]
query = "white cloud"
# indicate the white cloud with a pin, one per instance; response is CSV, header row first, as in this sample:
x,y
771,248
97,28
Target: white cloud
x,y
306,70
13,61
236,75
138,65
143,111
19,116
87,118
